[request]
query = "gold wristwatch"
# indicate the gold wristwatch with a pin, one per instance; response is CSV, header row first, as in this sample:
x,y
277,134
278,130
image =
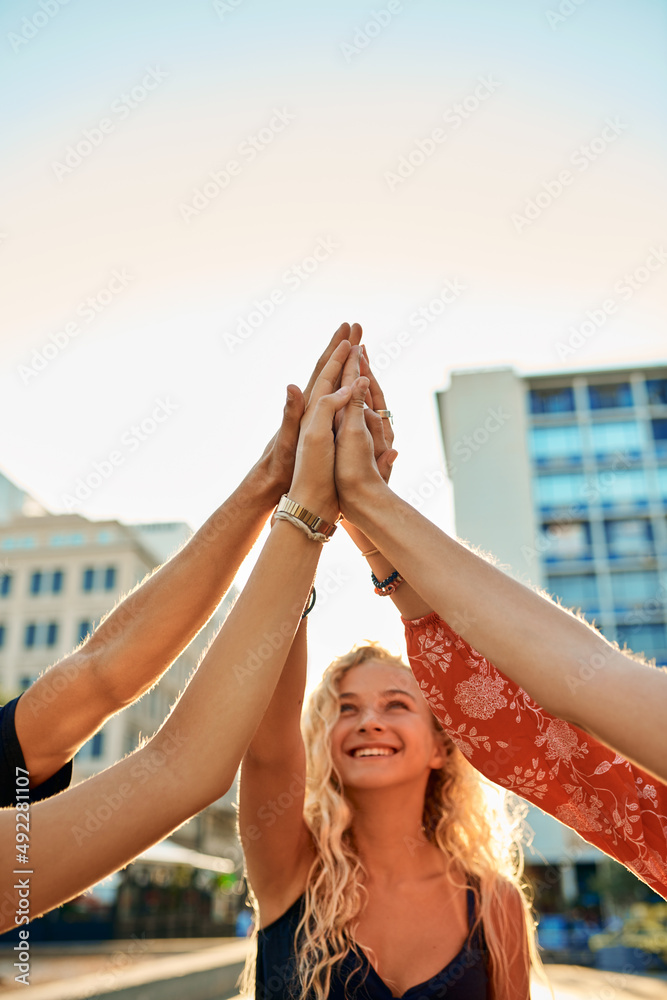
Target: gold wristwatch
x,y
312,521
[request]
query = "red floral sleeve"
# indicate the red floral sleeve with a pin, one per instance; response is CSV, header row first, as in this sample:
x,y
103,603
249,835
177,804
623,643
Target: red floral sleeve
x,y
512,740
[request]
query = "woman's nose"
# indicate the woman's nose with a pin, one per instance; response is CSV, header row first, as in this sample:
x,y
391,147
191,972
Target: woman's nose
x,y
369,721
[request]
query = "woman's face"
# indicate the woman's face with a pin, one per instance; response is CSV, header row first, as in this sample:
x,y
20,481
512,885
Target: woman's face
x,y
384,734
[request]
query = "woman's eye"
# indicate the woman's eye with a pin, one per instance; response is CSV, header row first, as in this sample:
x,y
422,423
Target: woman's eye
x,y
394,704
346,707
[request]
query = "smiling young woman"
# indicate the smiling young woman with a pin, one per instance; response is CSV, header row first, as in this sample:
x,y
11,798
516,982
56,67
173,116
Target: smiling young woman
x,y
393,874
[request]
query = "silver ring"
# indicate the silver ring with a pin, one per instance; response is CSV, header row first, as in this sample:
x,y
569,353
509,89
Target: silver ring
x,y
386,415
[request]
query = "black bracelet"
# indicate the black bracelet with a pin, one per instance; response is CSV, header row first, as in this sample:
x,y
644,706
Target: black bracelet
x,y
311,604
384,583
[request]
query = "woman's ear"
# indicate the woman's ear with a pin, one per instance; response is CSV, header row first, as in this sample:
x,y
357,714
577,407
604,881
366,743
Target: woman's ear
x,y
440,750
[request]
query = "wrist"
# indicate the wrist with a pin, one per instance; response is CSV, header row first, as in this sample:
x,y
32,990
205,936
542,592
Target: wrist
x,y
260,489
363,505
312,500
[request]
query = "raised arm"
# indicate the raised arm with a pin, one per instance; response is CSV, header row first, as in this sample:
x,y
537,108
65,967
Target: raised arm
x,y
275,838
93,829
134,645
563,664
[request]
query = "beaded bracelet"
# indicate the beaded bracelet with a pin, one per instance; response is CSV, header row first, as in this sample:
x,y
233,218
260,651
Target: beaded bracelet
x,y
385,588
311,604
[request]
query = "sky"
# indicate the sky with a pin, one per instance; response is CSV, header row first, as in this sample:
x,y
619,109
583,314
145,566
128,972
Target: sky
x,y
194,196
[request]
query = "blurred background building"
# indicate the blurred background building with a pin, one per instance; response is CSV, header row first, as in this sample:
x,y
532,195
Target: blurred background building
x,y
59,575
563,478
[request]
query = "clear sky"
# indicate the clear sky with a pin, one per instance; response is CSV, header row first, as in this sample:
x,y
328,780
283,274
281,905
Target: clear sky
x,y
514,151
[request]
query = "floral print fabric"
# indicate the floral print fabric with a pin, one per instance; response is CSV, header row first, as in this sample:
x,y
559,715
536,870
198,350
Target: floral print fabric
x,y
610,802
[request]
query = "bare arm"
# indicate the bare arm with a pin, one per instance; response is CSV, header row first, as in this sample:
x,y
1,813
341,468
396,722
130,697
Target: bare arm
x,y
510,923
562,663
275,839
91,830
143,635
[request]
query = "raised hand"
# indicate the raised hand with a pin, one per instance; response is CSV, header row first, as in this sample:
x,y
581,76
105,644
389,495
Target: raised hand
x,y
273,473
313,483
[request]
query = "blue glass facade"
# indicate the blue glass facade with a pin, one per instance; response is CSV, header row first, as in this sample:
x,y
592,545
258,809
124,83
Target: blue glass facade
x,y
598,450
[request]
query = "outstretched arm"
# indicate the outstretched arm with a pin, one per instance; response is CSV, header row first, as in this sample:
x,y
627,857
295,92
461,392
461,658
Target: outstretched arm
x,y
275,838
561,662
143,635
93,829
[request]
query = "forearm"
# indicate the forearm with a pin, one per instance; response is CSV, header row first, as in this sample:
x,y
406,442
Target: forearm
x,y
279,732
192,760
408,602
136,643
563,664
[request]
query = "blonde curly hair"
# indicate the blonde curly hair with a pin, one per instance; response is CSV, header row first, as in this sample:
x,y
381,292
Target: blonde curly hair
x,y
478,836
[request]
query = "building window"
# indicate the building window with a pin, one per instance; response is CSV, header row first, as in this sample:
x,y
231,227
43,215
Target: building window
x,y
611,396
2,636
5,584
24,542
616,436
659,428
42,634
559,489
629,538
566,541
99,579
46,583
657,391
71,538
84,631
25,683
93,749
621,486
646,639
560,400
555,442
633,589
579,591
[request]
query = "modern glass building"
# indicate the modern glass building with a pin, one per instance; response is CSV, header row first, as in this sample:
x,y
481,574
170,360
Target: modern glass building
x,y
583,496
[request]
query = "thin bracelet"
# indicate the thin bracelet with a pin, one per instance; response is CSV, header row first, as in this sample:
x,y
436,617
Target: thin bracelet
x,y
385,588
311,603
371,552
315,536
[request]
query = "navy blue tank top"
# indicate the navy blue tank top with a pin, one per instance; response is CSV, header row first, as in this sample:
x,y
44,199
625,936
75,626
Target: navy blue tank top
x,y
464,978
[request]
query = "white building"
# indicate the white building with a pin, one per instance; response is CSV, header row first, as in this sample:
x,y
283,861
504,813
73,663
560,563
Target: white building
x,y
59,575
